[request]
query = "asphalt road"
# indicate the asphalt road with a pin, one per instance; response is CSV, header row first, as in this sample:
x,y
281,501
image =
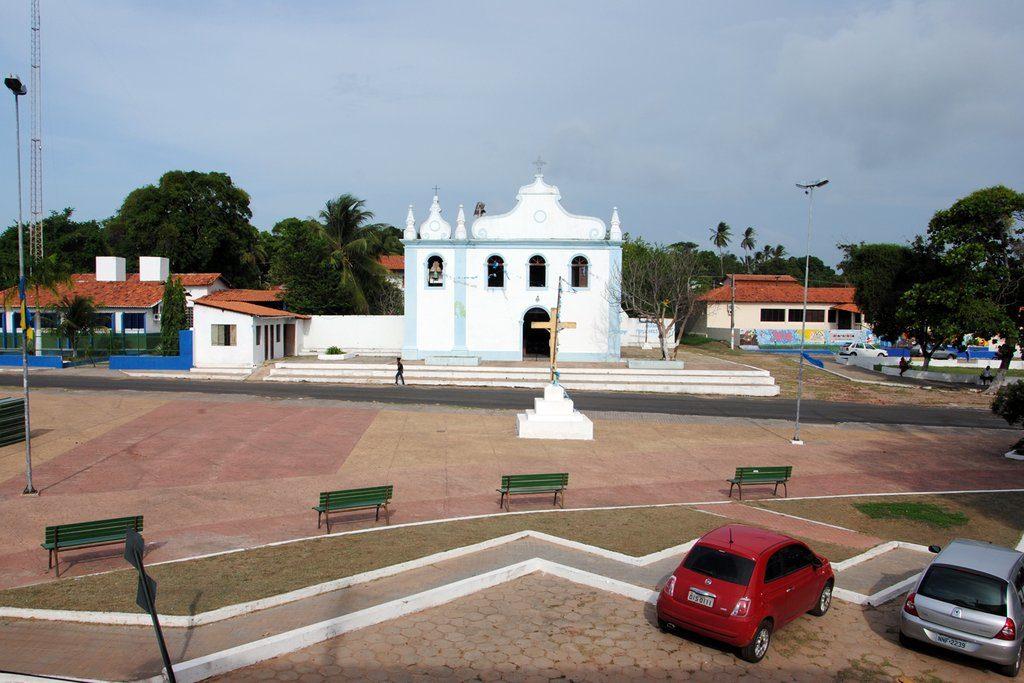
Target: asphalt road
x,y
822,412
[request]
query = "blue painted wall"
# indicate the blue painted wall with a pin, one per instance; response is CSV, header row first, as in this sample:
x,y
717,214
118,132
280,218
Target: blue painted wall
x,y
9,359
183,361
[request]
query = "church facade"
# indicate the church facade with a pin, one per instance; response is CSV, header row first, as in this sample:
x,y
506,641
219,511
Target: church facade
x,y
477,290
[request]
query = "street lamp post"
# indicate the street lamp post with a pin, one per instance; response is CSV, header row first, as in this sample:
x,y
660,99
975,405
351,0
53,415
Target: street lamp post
x,y
18,88
808,189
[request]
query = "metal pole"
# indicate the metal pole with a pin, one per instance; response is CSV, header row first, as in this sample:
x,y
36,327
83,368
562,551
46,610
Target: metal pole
x,y
803,323
29,489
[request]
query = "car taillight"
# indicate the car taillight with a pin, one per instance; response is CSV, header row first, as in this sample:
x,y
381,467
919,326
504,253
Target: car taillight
x,y
909,607
742,608
1008,632
670,585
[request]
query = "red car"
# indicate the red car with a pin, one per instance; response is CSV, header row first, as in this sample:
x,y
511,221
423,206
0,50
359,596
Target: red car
x,y
739,584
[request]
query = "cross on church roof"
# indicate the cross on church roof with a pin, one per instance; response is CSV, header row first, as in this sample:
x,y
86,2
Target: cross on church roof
x,y
540,164
436,188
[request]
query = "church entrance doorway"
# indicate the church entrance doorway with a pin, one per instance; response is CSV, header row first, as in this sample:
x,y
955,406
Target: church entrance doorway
x,y
536,343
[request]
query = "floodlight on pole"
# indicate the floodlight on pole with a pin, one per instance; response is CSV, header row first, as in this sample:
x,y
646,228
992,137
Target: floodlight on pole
x,y
808,189
18,88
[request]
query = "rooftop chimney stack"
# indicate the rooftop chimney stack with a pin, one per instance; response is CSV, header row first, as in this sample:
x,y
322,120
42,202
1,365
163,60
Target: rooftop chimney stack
x,y
110,269
154,269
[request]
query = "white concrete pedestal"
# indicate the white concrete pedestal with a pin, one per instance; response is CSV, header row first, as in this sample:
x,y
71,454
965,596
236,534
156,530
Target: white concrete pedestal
x,y
553,417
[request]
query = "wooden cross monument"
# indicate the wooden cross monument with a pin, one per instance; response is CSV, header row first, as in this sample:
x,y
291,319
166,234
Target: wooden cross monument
x,y
553,326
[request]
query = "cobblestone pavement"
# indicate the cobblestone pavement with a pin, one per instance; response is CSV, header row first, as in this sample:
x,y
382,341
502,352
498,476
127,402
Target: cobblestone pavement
x,y
543,628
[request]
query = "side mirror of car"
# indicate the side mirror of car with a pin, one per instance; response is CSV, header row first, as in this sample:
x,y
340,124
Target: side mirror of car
x,y
816,562
934,548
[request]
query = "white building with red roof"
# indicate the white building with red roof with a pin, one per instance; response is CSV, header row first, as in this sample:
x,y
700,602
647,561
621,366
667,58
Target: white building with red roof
x,y
768,310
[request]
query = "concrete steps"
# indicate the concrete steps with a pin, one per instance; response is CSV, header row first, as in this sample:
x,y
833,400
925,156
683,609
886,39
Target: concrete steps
x,y
219,373
724,382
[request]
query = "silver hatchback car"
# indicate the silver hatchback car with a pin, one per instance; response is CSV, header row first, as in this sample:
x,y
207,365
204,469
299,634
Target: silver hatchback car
x,y
970,600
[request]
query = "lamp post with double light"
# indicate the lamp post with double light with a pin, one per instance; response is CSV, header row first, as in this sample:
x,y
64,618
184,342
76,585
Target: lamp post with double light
x,y
808,189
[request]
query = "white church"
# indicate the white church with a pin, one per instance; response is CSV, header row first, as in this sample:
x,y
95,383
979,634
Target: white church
x,y
475,291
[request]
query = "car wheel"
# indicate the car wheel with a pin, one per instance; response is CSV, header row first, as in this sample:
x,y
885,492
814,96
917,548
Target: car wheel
x,y
853,353
1012,670
824,600
755,651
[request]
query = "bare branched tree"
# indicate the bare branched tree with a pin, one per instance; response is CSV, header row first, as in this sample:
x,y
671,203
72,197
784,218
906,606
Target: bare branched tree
x,y
388,300
660,285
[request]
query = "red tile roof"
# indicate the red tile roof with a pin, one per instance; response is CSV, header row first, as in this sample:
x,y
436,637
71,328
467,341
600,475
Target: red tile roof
x,y
778,289
851,308
129,293
392,262
250,295
248,308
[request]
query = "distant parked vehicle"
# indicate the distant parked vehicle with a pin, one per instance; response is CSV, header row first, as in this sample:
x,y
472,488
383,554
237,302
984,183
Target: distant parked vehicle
x,y
740,584
970,600
947,353
863,349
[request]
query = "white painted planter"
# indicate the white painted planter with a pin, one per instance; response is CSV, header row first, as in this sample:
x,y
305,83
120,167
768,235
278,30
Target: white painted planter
x,y
335,356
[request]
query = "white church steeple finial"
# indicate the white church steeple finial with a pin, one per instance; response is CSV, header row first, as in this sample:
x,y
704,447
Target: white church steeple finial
x,y
460,224
410,225
435,227
615,235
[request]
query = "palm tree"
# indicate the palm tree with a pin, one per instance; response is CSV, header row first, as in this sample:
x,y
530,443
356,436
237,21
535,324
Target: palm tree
x,y
356,247
78,315
49,273
778,251
720,237
749,243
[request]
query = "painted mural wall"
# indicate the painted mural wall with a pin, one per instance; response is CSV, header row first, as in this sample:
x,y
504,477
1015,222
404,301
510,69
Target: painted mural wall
x,y
812,337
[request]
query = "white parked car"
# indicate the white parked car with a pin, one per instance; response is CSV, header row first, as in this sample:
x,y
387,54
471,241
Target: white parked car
x,y
863,349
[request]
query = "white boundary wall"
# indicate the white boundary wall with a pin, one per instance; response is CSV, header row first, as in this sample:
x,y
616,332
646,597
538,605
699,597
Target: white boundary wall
x,y
351,333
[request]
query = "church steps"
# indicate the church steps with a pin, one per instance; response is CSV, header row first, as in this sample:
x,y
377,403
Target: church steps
x,y
534,378
566,370
759,389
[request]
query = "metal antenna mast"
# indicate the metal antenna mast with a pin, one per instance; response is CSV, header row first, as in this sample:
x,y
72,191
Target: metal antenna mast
x,y
35,229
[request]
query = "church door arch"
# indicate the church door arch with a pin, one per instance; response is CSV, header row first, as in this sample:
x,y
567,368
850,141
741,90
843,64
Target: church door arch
x,y
536,343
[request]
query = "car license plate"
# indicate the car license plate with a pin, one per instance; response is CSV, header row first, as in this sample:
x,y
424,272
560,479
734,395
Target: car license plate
x,y
951,642
706,600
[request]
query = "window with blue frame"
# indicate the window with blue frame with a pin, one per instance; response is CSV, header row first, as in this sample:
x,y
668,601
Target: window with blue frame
x,y
105,320
134,321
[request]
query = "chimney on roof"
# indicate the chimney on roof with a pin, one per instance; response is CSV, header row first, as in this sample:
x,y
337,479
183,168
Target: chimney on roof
x,y
154,269
110,269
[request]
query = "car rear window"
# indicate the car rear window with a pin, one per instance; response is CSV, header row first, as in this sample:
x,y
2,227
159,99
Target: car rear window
x,y
965,589
719,564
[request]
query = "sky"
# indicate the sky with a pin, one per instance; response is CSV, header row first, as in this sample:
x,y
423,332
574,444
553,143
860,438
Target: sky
x,y
680,114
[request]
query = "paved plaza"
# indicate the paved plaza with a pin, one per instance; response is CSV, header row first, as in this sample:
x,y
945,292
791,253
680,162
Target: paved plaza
x,y
540,628
212,474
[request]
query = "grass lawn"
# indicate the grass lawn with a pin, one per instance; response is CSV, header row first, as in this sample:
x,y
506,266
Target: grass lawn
x,y
205,584
927,520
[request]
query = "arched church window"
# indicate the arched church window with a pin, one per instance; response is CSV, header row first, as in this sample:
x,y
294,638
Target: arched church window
x,y
495,271
538,271
579,275
435,271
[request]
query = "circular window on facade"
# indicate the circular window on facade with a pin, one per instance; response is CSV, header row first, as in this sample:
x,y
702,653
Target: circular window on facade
x,y
540,216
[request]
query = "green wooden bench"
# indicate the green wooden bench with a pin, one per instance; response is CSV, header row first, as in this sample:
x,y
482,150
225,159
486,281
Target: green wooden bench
x,y
761,475
87,535
354,499
533,483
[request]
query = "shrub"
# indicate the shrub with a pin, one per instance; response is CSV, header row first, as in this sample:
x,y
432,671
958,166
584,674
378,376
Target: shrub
x,y
334,351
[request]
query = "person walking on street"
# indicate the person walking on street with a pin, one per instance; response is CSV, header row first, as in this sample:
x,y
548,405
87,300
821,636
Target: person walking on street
x,y
399,375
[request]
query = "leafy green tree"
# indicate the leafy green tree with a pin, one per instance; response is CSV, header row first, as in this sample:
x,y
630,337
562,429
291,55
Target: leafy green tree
x,y
173,316
78,316
302,263
721,235
981,238
75,243
1009,403
200,221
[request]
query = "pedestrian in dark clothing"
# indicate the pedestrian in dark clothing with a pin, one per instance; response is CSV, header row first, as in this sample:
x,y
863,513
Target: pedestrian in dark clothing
x,y
904,365
399,375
